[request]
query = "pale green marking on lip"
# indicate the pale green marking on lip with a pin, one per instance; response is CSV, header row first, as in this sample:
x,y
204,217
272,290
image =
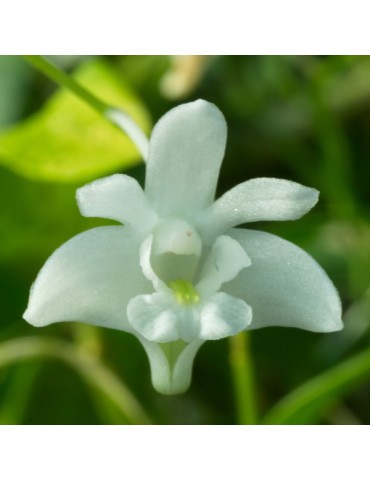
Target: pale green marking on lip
x,y
184,292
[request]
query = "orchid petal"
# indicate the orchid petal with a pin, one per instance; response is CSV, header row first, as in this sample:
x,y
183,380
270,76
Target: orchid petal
x,y
176,249
223,316
159,318
225,260
174,235
255,200
146,266
118,197
90,279
153,317
171,364
161,265
284,285
187,142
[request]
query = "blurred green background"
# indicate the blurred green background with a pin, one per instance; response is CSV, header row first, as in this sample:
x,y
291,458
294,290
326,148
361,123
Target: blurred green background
x,y
303,118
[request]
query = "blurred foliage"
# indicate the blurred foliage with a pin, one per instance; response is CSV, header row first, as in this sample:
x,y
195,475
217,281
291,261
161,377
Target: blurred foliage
x,y
303,118
66,141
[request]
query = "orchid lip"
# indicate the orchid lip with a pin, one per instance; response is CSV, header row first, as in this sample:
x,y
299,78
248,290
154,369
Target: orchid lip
x,y
178,310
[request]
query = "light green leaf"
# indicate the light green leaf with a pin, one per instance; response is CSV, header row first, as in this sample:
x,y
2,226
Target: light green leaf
x,y
309,402
67,141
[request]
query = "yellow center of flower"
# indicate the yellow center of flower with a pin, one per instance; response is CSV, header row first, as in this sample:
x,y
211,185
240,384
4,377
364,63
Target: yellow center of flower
x,y
184,292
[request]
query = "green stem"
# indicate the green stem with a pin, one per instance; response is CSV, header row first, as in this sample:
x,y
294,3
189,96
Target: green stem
x,y
62,78
114,115
309,401
95,374
243,378
15,400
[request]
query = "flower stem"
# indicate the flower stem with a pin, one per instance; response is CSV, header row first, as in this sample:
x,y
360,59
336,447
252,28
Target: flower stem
x,y
92,371
114,115
62,78
243,378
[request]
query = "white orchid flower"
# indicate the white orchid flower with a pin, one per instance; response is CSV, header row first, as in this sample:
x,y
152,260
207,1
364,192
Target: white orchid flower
x,y
177,273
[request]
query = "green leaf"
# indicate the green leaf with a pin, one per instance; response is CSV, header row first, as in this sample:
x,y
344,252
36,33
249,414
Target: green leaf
x,y
312,400
67,141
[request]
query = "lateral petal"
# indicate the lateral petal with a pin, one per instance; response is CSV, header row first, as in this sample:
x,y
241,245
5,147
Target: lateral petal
x,y
89,279
284,285
118,197
225,260
255,200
